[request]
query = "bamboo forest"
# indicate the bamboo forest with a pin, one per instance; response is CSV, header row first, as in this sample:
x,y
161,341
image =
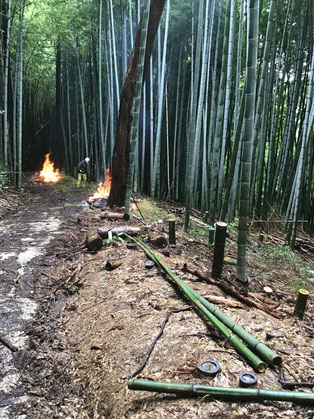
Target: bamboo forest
x,y
156,208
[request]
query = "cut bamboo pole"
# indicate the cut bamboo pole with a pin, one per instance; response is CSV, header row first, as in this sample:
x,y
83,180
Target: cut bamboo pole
x,y
93,240
195,298
114,264
172,231
104,231
227,393
114,216
301,303
260,348
219,248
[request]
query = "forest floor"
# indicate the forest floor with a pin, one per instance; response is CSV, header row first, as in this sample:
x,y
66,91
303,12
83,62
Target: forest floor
x,y
80,331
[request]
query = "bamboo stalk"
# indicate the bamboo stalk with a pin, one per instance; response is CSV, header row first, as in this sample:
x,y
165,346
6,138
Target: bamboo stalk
x,y
222,392
197,300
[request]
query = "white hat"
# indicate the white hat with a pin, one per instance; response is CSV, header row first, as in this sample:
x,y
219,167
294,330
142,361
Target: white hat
x,y
87,159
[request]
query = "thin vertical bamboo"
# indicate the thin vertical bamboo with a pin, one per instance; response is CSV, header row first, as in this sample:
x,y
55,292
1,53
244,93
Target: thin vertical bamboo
x,y
250,89
82,100
137,103
156,169
20,97
101,121
227,98
5,86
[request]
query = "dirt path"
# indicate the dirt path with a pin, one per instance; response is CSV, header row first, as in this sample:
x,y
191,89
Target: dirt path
x,y
25,239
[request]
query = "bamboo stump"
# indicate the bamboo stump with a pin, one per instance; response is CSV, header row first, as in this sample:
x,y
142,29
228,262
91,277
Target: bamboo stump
x,y
93,240
172,231
301,303
219,248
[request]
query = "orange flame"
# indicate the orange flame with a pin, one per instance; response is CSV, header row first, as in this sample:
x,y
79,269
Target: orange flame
x,y
48,173
103,189
133,206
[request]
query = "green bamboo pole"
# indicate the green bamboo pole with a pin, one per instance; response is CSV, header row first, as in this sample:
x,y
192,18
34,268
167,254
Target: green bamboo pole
x,y
258,347
222,392
195,298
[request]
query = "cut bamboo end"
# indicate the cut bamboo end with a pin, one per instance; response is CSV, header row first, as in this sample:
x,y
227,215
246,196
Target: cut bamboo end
x,y
277,360
261,367
221,224
300,304
113,264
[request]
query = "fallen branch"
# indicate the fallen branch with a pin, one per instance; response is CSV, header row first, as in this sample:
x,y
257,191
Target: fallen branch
x,y
228,290
225,301
150,350
291,384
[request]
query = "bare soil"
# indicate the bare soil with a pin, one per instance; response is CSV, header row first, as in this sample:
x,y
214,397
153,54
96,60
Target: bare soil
x,y
93,327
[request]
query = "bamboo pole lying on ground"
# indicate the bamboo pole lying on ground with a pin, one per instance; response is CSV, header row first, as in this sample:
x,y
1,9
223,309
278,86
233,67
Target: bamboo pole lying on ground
x,y
114,264
227,393
114,216
195,298
132,231
211,312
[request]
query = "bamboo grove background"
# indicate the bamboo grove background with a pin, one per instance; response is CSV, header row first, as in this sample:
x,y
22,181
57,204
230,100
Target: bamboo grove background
x,y
214,132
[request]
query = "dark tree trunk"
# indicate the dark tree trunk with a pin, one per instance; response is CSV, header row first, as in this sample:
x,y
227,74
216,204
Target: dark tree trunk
x,y
121,152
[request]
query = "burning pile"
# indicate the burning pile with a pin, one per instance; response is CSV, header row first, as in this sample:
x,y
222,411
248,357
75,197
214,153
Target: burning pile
x,y
102,192
48,173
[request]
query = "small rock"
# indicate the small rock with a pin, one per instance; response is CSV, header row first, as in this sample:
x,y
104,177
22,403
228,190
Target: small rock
x,y
311,273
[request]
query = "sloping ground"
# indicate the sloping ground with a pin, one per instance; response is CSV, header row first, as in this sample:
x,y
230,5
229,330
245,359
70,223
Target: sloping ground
x,y
116,315
94,327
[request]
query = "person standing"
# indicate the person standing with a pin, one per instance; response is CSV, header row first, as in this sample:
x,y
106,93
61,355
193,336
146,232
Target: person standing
x,y
82,169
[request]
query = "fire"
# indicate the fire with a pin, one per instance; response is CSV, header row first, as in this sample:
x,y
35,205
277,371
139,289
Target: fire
x,y
48,173
133,206
103,189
